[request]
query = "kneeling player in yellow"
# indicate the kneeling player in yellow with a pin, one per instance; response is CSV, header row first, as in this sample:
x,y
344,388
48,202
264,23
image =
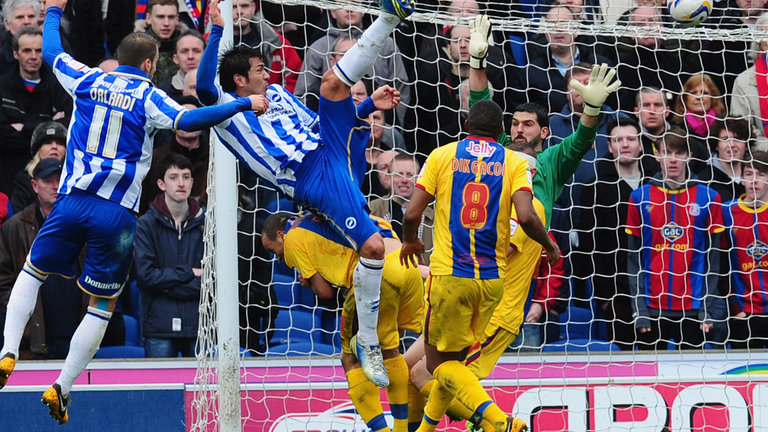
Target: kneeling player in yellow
x,y
316,249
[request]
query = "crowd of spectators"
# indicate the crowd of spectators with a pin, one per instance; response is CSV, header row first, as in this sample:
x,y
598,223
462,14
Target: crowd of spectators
x,y
696,106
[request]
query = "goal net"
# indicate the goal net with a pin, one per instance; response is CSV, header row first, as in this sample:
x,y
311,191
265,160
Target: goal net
x,y
580,363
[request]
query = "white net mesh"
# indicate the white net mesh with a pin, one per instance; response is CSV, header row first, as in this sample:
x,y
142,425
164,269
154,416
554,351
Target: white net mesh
x,y
581,370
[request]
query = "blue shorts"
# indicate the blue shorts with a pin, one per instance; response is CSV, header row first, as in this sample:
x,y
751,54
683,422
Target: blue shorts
x,y
79,219
328,180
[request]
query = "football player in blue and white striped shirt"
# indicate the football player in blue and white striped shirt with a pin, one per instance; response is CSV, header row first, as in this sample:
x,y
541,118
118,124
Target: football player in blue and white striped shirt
x,y
109,149
309,156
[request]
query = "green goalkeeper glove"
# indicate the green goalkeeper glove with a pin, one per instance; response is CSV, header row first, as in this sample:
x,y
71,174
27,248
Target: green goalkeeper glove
x,y
597,89
479,30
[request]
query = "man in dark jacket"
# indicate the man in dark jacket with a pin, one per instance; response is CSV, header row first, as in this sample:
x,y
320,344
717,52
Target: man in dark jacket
x,y
193,146
602,250
169,250
162,23
545,75
30,95
49,139
60,303
16,14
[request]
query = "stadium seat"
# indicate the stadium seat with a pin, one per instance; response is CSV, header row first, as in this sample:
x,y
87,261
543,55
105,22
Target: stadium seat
x,y
134,296
120,351
133,347
580,345
301,348
580,323
288,289
517,46
132,336
296,325
278,204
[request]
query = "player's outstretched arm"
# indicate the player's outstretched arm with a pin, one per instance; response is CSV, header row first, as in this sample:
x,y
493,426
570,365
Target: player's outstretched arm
x,y
207,91
386,98
480,31
383,98
206,117
595,92
532,225
51,37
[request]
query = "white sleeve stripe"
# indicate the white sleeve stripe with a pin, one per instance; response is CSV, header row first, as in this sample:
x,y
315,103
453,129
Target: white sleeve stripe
x,y
177,119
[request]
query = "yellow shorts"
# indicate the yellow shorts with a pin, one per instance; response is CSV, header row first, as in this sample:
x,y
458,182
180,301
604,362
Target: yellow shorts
x,y
400,305
484,355
458,309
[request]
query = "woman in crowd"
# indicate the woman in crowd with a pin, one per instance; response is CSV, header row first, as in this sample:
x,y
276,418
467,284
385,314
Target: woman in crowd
x,y
697,108
730,144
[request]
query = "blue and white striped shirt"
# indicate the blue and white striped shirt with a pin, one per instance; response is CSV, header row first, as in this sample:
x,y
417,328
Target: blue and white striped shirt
x,y
272,144
114,120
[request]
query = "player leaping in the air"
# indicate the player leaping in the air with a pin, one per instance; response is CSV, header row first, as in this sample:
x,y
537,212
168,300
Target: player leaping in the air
x,y
321,255
108,154
306,155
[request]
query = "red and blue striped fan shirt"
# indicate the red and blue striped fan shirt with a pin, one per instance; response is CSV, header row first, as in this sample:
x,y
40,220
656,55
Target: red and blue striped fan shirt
x,y
747,231
674,226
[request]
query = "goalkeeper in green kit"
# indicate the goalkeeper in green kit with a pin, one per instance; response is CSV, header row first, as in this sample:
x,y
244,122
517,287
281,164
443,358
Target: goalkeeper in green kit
x,y
551,168
530,121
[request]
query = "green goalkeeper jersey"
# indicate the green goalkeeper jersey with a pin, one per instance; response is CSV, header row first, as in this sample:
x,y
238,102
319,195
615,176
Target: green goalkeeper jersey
x,y
556,164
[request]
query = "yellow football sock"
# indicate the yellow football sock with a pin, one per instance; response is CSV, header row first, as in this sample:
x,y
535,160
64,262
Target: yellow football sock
x,y
427,389
438,401
454,376
365,395
416,403
397,391
457,410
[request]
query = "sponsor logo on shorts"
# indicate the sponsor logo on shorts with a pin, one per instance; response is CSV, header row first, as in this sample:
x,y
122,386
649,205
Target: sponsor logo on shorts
x,y
110,286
